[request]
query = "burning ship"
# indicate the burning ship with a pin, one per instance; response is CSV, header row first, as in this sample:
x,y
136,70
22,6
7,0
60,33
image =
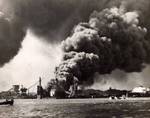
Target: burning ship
x,y
112,39
58,89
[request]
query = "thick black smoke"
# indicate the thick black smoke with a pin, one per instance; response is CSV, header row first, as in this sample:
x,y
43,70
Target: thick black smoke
x,y
53,19
11,35
50,17
77,64
114,36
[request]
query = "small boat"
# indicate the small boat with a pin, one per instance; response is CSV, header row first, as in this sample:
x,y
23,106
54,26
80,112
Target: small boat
x,y
7,102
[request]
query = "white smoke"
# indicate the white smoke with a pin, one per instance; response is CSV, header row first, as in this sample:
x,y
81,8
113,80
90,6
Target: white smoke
x,y
35,58
121,80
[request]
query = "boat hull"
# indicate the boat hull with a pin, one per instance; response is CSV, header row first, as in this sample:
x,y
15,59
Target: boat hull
x,y
7,103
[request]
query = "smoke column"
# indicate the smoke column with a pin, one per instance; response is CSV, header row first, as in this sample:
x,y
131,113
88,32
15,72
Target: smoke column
x,y
42,17
52,20
112,39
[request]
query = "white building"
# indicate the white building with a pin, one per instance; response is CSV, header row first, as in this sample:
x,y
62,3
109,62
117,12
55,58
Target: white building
x,y
139,89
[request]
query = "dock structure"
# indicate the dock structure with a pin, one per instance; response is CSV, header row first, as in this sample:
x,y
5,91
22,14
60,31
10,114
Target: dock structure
x,y
39,90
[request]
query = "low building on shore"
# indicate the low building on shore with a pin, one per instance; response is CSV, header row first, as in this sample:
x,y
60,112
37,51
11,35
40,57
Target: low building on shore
x,y
140,91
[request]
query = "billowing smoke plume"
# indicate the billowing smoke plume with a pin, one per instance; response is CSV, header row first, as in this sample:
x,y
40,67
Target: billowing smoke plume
x,y
53,19
78,65
45,18
112,39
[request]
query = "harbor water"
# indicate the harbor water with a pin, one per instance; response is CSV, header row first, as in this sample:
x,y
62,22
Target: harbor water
x,y
77,108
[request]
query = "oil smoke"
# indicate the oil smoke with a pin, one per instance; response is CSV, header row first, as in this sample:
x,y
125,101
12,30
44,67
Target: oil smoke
x,y
53,19
112,39
11,34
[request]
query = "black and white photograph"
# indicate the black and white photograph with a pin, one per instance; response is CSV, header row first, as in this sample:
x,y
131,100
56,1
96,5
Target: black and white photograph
x,y
74,58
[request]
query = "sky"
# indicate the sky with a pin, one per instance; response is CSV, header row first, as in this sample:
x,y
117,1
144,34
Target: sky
x,y
35,59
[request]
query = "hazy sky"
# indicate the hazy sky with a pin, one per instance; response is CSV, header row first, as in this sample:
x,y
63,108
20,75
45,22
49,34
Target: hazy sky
x,y
35,59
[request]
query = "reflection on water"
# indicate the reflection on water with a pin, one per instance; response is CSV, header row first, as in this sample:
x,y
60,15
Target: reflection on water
x,y
77,108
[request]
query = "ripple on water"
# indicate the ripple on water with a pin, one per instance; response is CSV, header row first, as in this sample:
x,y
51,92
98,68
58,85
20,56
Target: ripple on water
x,y
76,108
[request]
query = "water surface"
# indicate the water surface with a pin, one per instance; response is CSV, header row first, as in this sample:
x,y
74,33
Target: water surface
x,y
77,108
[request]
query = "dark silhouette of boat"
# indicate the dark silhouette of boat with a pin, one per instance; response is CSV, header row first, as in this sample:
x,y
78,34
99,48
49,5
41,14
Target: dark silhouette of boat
x,y
7,102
